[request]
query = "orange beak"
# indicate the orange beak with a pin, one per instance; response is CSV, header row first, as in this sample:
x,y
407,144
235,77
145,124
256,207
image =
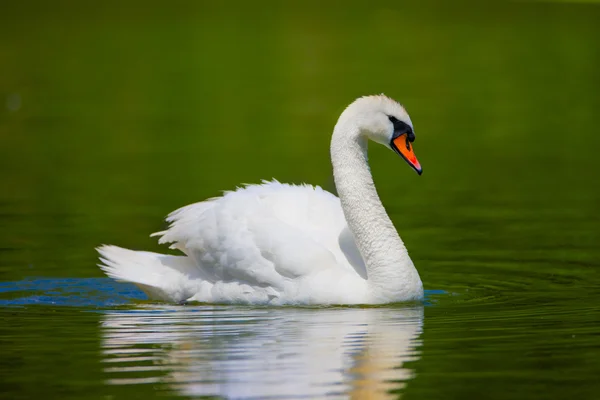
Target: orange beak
x,y
402,146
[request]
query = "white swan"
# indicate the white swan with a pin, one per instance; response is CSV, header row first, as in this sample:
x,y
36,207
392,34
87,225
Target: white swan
x,y
275,243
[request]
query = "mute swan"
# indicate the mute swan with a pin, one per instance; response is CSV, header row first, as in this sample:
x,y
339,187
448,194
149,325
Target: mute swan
x,y
275,243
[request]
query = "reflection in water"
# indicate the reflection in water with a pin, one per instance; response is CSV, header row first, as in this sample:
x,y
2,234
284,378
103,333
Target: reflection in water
x,y
260,352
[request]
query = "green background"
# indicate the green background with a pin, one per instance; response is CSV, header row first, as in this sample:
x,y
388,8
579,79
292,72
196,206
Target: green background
x,y
115,113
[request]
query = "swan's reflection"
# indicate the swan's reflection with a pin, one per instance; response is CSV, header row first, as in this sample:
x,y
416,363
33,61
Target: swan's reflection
x,y
264,352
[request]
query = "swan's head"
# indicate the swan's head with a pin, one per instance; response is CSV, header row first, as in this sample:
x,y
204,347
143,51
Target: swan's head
x,y
384,121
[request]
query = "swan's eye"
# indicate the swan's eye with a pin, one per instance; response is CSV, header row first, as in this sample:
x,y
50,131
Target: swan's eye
x,y
400,128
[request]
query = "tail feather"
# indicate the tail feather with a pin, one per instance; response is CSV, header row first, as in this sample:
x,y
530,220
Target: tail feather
x,y
160,276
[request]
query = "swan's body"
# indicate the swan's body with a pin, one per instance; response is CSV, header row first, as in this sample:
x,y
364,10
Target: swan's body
x,y
282,244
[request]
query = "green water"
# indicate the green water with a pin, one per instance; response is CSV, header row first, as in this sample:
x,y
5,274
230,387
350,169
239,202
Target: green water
x,y
112,115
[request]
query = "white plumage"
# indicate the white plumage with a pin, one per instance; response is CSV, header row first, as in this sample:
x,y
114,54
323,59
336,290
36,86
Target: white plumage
x,y
275,243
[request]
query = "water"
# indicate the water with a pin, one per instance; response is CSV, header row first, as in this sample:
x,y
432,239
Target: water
x,y
112,115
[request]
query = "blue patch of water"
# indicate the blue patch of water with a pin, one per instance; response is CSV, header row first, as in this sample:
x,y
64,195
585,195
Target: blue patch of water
x,y
73,292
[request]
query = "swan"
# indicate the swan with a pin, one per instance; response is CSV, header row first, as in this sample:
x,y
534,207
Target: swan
x,y
281,244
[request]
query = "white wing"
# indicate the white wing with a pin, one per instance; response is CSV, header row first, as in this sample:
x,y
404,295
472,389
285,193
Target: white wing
x,y
265,236
269,243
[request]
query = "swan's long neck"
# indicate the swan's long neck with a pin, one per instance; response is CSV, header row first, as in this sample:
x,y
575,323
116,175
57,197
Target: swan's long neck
x,y
391,273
